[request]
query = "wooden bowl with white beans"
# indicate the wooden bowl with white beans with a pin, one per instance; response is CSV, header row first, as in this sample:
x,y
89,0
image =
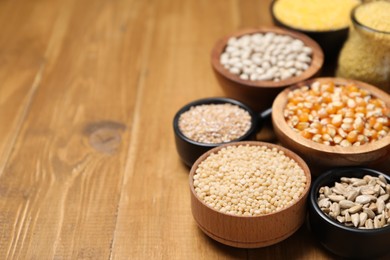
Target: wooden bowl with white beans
x,y
254,65
249,194
333,122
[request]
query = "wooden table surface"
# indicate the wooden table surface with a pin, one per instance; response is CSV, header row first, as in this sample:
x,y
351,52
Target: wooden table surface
x,y
88,91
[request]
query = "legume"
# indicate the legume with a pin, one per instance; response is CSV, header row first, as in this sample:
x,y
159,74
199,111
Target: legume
x,y
266,56
215,123
316,15
332,114
357,202
249,180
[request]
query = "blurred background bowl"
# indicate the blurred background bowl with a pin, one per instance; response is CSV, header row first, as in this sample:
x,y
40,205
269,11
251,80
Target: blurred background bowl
x,y
331,40
250,231
320,157
190,150
341,240
259,95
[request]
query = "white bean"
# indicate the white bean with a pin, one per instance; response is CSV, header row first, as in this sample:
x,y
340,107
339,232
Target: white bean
x,y
259,70
307,50
247,62
265,65
267,56
244,76
257,60
234,70
253,76
232,41
230,49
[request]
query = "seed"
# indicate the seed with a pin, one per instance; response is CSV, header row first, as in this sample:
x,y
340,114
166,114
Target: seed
x,y
324,203
369,212
377,222
351,195
347,216
336,209
355,219
362,218
339,188
380,204
369,224
363,199
382,179
336,198
367,190
359,183
364,204
384,197
355,209
340,219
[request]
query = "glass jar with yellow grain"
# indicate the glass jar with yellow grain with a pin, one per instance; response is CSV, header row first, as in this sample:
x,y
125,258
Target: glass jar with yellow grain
x,y
365,56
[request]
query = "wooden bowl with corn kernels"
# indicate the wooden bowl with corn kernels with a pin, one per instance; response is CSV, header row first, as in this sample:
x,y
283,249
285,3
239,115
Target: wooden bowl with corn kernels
x,y
332,122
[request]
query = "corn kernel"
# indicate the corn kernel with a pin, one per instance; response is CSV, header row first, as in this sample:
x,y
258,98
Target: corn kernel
x,y
338,115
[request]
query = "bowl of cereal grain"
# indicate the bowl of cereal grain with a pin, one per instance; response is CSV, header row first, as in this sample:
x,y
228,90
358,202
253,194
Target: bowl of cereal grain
x,y
254,65
349,212
327,22
333,122
249,194
209,122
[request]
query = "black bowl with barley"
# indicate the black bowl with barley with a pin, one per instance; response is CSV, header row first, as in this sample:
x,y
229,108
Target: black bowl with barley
x,y
209,122
349,230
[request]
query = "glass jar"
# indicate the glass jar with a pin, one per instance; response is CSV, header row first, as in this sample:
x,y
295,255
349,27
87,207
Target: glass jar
x,y
365,55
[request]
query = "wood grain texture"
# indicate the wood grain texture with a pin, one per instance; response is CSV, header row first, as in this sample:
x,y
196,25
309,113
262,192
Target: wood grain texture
x,y
88,166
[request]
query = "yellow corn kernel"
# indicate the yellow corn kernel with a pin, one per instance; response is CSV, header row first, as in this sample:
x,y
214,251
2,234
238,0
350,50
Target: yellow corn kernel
x,y
352,136
302,125
305,133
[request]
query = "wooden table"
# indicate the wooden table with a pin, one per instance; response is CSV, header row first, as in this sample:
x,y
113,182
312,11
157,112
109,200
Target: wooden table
x,y
88,91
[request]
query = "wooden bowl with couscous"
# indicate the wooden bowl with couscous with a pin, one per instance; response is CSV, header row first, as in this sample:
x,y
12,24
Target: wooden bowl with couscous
x,y
334,122
249,194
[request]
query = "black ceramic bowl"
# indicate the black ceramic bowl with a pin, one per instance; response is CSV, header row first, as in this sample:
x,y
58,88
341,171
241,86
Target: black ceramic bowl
x,y
330,41
190,150
341,240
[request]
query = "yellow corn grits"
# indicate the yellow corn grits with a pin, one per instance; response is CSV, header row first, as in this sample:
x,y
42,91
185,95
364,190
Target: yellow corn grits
x,y
375,15
314,15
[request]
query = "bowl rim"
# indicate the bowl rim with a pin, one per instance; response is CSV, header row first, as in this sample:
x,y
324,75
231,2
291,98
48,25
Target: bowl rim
x,y
286,151
362,26
280,122
325,178
215,100
315,65
302,30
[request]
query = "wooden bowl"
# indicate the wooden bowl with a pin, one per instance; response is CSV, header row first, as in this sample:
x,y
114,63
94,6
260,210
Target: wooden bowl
x,y
250,231
259,95
321,157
